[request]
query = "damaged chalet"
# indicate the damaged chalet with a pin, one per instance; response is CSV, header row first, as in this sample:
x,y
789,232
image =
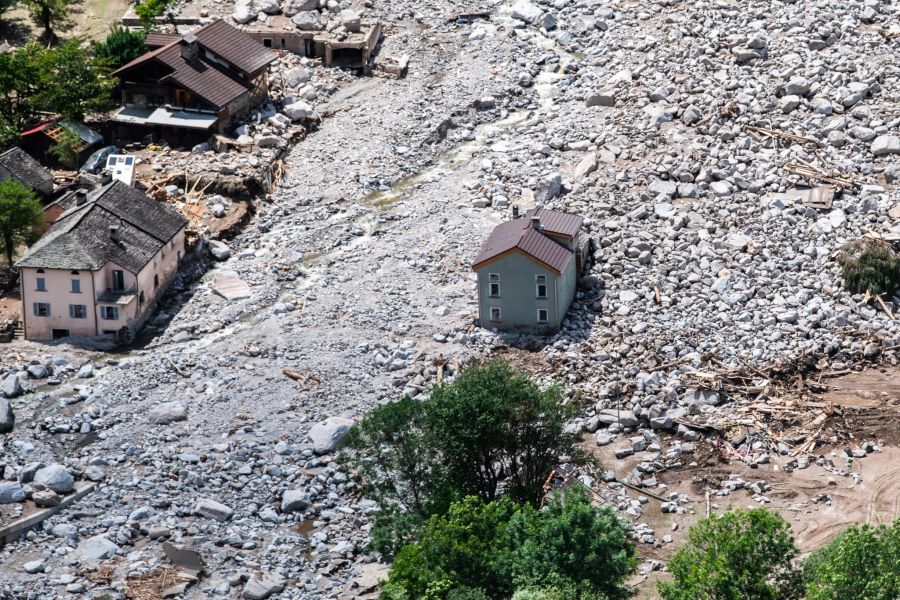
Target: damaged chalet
x,y
188,87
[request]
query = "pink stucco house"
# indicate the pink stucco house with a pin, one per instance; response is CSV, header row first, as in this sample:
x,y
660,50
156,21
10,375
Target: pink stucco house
x,y
101,266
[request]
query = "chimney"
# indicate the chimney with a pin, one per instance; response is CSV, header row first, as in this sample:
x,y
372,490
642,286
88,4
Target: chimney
x,y
515,209
114,232
536,223
80,197
189,47
105,177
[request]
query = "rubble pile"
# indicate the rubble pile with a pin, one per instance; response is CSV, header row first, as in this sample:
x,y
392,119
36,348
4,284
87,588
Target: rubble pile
x,y
683,133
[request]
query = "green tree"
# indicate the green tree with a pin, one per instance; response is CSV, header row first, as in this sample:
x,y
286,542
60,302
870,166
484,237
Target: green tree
x,y
489,430
861,563
66,148
870,266
569,550
150,10
21,84
572,545
121,46
400,469
494,425
739,555
49,14
75,84
20,215
466,548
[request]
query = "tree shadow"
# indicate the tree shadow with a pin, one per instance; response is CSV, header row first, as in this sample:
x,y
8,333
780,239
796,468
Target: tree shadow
x,y
15,31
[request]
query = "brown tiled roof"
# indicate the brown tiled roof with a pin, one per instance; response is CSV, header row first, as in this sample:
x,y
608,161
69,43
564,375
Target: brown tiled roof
x,y
156,39
202,77
521,235
235,46
206,78
555,222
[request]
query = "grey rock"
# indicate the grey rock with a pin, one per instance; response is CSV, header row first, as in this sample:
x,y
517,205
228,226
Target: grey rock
x,y
11,491
56,478
885,145
261,585
602,98
219,250
308,21
86,371
694,396
46,498
34,566
167,412
525,11
209,508
97,548
327,435
292,7
11,386
37,371
294,500
7,417
299,110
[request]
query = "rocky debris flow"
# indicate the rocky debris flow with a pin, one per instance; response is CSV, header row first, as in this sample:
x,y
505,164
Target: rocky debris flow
x,y
674,129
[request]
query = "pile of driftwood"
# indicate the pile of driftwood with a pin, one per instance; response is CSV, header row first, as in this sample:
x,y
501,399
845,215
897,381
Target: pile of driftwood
x,y
773,408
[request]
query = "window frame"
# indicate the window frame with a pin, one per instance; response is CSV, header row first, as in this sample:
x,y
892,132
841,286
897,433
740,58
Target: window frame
x,y
118,273
499,318
76,286
546,320
35,308
73,312
105,312
40,284
540,281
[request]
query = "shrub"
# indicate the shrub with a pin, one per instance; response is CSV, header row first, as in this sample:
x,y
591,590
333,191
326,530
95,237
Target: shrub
x,y
739,555
870,266
861,563
20,215
121,46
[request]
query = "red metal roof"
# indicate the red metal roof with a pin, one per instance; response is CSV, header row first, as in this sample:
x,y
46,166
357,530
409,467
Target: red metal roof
x,y
40,127
520,234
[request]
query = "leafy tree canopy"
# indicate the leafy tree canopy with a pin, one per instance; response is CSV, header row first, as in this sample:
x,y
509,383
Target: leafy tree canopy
x,y
741,554
489,431
121,46
862,563
20,215
49,14
569,550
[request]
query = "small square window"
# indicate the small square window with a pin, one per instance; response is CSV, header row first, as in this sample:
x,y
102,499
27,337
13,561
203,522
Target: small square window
x,y
543,315
494,277
109,313
76,286
41,309
540,278
495,313
78,311
41,284
541,290
495,290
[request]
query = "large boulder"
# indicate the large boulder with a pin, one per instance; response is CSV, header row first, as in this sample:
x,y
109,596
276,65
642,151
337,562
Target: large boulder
x,y
7,417
11,386
97,548
209,508
270,7
525,11
56,478
886,144
261,585
351,21
167,412
11,491
294,500
219,250
299,110
327,435
308,21
296,76
292,7
244,13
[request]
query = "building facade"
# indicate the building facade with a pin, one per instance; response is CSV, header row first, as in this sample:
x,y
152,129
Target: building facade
x,y
102,266
528,272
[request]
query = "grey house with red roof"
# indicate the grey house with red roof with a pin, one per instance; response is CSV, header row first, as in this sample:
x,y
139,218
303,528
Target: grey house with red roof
x,y
190,86
528,271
